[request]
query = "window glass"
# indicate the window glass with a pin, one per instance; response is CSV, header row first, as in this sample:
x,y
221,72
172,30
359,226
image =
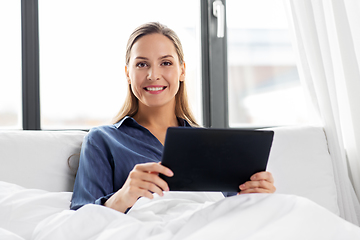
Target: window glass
x,y
82,51
264,86
10,65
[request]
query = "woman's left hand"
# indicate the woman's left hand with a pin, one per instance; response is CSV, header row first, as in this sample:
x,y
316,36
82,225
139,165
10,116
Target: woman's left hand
x,y
261,182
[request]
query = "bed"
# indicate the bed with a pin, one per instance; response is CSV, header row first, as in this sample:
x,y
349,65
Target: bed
x,y
38,170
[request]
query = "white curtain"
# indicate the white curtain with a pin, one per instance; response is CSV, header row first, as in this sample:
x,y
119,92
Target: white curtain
x,y
326,37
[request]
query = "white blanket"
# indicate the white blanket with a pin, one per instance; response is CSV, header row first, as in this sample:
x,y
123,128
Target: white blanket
x,y
40,215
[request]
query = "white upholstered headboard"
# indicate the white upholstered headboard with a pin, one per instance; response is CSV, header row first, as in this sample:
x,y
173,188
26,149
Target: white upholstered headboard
x,y
39,159
299,161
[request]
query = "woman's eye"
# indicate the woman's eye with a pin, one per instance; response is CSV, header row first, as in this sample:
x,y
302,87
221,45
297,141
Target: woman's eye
x,y
166,63
141,64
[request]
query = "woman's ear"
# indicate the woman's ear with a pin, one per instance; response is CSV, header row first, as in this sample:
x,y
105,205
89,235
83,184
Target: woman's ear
x,y
182,69
127,74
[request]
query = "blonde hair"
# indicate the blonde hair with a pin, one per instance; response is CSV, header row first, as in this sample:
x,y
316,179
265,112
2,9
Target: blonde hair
x,y
131,104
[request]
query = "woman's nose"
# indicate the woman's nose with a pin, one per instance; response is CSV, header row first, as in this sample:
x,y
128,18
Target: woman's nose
x,y
154,73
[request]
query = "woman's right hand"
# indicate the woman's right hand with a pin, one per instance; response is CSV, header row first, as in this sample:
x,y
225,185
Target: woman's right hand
x,y
142,180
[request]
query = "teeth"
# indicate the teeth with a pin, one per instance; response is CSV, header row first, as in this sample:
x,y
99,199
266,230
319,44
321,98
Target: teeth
x,y
154,89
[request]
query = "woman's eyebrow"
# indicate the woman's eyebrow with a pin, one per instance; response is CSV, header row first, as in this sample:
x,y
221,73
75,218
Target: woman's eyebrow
x,y
166,56
162,57
141,58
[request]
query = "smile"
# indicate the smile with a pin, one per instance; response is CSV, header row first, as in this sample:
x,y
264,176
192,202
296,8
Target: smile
x,y
154,89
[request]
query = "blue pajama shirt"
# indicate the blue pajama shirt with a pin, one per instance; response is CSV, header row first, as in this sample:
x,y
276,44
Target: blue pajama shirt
x,y
108,154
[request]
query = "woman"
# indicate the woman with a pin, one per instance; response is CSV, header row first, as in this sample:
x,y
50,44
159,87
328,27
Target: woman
x,y
120,163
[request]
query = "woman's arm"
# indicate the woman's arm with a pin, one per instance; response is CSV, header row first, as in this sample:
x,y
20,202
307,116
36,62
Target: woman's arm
x,y
261,182
94,178
142,180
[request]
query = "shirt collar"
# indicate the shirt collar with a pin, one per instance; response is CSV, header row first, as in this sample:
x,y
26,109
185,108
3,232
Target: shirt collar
x,y
128,119
121,122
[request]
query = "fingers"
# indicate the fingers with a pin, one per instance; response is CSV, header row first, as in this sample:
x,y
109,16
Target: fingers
x,y
261,186
267,176
149,172
262,182
138,188
154,168
148,181
145,177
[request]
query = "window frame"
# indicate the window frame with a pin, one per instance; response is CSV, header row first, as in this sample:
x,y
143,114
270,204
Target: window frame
x,y
214,75
30,65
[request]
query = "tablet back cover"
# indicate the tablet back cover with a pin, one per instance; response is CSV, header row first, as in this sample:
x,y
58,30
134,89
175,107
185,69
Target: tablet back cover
x,y
214,159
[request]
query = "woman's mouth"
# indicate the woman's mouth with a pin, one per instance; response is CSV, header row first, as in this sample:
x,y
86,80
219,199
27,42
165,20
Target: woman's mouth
x,y
155,89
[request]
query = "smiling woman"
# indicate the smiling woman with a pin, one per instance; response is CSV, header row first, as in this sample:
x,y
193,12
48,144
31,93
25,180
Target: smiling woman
x,y
120,163
154,72
155,78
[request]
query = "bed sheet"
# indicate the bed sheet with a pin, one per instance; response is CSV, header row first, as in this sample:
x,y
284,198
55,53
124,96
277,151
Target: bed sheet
x,y
40,215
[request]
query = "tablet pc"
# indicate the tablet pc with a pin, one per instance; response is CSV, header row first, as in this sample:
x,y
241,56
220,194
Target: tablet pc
x,y
207,159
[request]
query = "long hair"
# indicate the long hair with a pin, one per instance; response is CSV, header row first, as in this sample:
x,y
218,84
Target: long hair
x,y
131,104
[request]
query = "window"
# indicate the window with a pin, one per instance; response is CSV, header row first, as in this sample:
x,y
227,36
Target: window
x,y
73,61
263,82
82,79
10,65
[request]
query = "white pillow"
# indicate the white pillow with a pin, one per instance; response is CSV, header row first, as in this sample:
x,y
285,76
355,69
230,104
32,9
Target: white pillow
x,y
39,159
301,165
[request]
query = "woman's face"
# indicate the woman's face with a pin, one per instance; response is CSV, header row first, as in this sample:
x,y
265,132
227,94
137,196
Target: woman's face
x,y
154,71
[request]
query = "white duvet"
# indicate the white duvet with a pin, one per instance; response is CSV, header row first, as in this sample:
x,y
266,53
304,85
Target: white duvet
x,y
40,215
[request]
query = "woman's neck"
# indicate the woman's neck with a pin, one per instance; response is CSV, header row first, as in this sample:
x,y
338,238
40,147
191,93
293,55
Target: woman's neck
x,y
156,118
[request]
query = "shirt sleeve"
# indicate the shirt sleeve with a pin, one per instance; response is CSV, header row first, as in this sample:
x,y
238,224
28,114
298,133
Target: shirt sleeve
x,y
94,178
229,194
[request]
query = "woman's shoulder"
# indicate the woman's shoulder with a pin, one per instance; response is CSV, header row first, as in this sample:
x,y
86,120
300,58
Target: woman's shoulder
x,y
100,132
108,131
103,129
